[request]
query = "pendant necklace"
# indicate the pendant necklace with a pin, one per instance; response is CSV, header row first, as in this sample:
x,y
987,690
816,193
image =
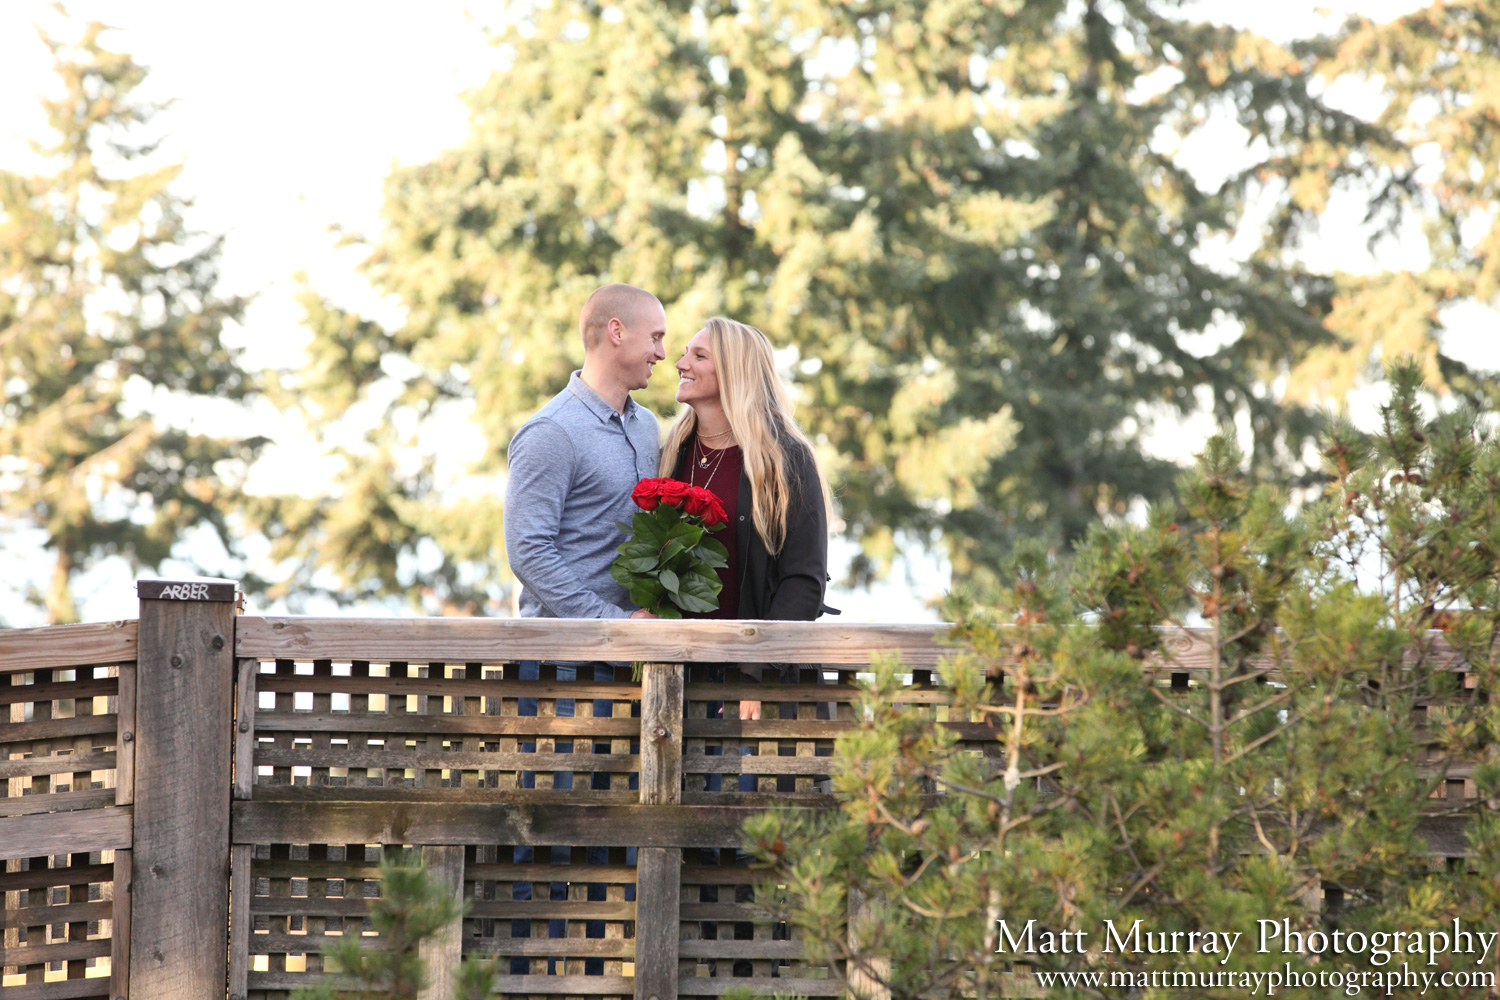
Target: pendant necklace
x,y
702,463
704,449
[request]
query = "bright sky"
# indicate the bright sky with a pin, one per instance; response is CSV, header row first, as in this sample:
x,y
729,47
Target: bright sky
x,y
289,115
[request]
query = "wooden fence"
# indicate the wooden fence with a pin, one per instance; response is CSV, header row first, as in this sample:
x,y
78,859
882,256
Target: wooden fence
x,y
196,777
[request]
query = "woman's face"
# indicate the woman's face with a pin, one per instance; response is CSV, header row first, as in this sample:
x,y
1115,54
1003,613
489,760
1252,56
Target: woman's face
x,y
697,379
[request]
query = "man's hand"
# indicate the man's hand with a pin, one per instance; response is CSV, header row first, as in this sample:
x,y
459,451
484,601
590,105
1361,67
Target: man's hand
x,y
643,613
749,711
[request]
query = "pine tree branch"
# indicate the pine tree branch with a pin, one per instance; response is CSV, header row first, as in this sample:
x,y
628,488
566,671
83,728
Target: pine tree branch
x,y
1177,708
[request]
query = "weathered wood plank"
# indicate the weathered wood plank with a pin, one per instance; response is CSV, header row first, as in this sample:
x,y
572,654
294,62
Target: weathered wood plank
x,y
57,913
241,905
497,640
561,986
62,833
661,734
466,823
56,802
786,986
43,878
125,744
57,763
245,725
59,690
444,950
119,936
183,739
720,764
572,947
404,759
52,646
402,793
62,951
62,989
487,725
729,948
658,895
53,729
344,906
397,688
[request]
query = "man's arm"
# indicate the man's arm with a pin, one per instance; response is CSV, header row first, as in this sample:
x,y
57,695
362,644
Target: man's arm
x,y
541,463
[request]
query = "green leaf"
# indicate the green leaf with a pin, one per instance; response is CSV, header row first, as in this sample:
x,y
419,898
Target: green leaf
x,y
649,529
638,550
711,552
687,534
671,551
667,611
697,593
646,592
669,580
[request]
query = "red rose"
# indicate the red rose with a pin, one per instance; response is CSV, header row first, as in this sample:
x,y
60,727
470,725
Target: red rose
x,y
697,500
709,508
672,492
645,494
706,505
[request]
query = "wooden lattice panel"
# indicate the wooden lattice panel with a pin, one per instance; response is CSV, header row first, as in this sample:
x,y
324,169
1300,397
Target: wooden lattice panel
x,y
729,758
437,728
731,939
558,920
59,739
302,897
57,922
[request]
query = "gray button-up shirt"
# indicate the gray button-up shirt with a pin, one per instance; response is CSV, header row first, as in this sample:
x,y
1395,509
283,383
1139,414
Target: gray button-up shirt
x,y
572,469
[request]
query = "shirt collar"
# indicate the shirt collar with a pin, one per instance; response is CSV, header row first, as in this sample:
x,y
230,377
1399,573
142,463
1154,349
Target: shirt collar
x,y
597,406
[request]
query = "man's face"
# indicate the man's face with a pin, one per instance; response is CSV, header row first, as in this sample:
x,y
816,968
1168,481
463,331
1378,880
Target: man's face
x,y
642,345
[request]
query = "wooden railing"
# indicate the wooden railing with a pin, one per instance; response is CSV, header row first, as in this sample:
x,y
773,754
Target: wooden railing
x,y
197,777
196,774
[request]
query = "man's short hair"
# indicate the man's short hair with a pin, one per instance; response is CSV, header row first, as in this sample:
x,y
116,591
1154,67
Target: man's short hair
x,y
618,301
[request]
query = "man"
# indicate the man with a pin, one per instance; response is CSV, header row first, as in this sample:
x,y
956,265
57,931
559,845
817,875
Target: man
x,y
573,464
572,468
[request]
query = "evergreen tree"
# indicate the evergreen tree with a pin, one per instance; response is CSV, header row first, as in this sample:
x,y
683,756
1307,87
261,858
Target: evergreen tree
x,y
108,320
967,218
411,909
1291,779
1434,71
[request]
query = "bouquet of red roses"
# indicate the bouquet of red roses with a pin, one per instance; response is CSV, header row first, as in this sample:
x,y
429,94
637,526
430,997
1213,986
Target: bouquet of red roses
x,y
668,562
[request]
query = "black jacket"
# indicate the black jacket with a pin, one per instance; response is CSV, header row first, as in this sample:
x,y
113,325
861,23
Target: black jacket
x,y
788,586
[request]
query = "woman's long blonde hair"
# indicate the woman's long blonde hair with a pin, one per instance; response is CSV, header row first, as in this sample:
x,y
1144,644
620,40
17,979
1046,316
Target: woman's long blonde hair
x,y
760,411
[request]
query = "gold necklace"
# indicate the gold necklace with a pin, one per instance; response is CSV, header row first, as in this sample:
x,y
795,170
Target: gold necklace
x,y
711,437
702,463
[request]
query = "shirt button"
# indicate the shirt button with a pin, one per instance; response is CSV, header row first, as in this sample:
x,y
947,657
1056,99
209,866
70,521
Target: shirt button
x,y
742,517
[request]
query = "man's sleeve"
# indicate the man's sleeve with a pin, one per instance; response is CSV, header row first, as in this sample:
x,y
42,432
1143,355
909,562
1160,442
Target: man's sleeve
x,y
541,463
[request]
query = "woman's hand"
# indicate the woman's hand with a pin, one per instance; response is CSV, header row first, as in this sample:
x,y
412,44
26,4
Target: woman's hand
x,y
644,613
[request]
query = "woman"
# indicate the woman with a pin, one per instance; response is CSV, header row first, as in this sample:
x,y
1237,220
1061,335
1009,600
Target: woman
x,y
737,437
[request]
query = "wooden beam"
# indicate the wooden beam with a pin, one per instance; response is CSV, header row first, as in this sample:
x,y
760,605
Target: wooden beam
x,y
334,822
51,646
497,640
443,952
180,894
658,890
44,834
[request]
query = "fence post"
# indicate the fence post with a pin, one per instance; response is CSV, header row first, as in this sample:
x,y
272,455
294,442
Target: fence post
x,y
443,953
658,870
179,903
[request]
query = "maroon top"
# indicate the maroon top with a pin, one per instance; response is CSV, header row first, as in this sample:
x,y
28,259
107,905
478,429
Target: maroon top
x,y
722,478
